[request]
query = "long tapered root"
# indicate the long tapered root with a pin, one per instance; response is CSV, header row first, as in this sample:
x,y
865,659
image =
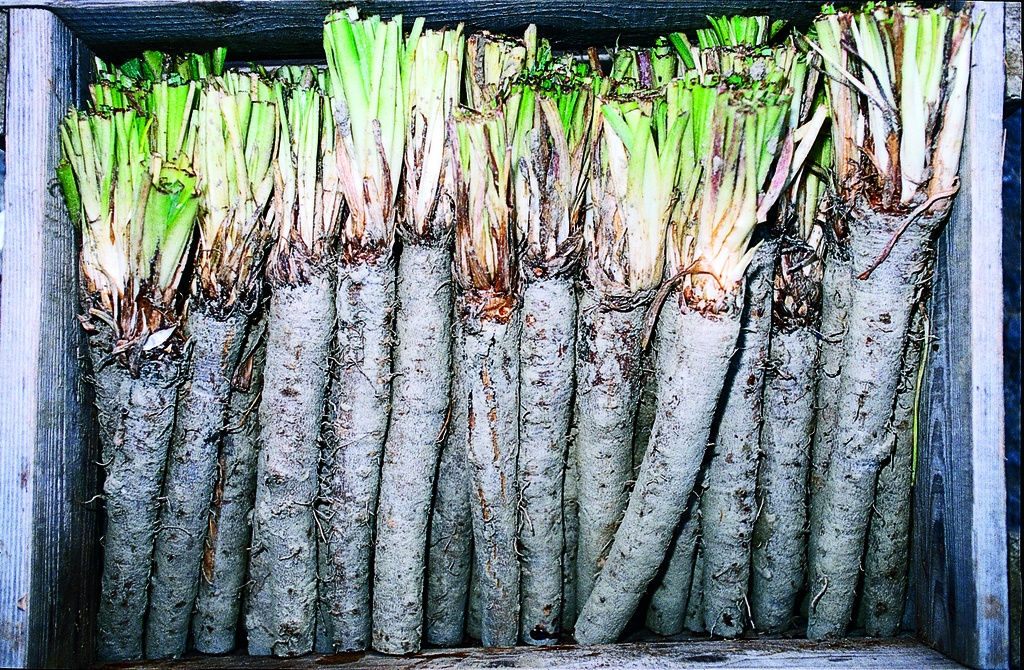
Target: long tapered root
x,y
450,551
608,366
693,359
888,550
881,304
191,477
666,614
547,354
780,531
489,376
226,555
419,410
357,419
283,568
135,449
728,503
835,308
450,541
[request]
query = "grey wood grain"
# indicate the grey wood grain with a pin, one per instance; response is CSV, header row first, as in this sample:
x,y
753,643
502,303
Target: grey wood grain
x,y
960,499
3,71
892,654
46,532
276,29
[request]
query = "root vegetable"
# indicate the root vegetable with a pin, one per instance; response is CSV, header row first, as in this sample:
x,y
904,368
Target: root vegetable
x,y
693,356
666,614
893,218
549,122
697,329
450,549
835,307
226,552
779,533
358,403
728,506
237,126
282,599
134,473
422,365
633,172
306,208
134,197
887,555
488,324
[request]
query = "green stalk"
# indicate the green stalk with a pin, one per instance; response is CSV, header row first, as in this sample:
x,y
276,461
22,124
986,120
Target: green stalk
x,y
643,68
369,63
550,123
434,81
750,31
493,62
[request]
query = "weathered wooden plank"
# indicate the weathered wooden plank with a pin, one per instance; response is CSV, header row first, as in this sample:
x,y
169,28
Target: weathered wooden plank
x,y
893,654
272,29
46,533
960,515
3,68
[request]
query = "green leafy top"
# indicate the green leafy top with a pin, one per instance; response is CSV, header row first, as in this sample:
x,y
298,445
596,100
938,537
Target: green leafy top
x,y
236,143
639,68
733,169
136,208
306,207
493,63
734,31
129,85
369,61
898,99
434,86
484,260
633,189
550,119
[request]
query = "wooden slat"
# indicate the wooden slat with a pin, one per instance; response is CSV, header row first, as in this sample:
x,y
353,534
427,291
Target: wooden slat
x,y
271,29
897,654
47,534
960,515
3,68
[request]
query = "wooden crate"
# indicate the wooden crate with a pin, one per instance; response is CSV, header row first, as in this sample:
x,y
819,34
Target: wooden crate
x,y
49,570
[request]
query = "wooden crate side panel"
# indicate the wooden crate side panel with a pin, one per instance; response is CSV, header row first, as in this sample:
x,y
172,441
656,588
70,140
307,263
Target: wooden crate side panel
x,y
851,654
46,530
275,29
960,500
